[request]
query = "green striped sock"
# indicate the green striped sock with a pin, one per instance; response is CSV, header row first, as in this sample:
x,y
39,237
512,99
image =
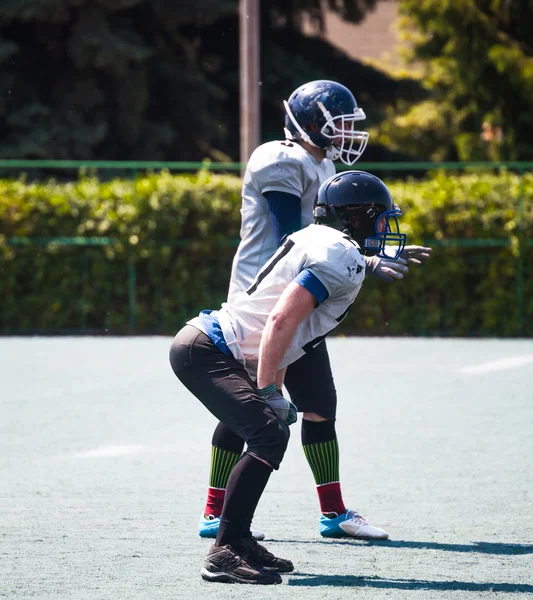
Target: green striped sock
x,y
323,458
222,463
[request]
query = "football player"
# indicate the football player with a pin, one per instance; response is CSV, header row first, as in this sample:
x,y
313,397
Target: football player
x,y
231,359
280,186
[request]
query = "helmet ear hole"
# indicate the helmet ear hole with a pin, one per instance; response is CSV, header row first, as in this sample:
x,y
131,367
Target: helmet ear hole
x,y
355,222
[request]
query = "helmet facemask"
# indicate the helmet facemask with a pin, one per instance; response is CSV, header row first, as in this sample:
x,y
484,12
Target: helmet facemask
x,y
347,143
387,236
377,233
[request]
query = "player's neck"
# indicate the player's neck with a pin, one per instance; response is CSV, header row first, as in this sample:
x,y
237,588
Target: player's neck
x,y
317,153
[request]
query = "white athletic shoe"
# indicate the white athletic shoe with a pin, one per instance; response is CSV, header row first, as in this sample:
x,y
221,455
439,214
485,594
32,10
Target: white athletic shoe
x,y
350,524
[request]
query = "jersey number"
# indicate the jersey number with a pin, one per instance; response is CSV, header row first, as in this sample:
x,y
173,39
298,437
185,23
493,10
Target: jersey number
x,y
282,251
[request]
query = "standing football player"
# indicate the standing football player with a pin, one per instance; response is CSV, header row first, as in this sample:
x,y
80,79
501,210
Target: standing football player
x,y
231,359
280,186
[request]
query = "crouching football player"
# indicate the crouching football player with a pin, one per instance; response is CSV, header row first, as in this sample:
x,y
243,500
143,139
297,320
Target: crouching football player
x,y
231,359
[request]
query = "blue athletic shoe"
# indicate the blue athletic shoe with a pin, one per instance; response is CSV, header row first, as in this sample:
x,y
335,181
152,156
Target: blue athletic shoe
x,y
350,524
208,528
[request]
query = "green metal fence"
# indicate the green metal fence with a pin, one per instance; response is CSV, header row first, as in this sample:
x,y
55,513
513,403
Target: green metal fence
x,y
391,170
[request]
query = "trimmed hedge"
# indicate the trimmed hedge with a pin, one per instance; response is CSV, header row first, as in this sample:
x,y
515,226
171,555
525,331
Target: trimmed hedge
x,y
177,234
472,287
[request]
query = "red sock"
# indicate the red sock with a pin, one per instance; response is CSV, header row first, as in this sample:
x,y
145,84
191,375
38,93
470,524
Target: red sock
x,y
215,502
330,497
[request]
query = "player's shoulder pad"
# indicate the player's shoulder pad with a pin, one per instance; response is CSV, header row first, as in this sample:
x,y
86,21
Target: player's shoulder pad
x,y
346,251
353,260
282,166
278,156
335,255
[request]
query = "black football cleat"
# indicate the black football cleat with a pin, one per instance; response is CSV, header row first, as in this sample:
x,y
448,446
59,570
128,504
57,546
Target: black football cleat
x,y
252,551
223,564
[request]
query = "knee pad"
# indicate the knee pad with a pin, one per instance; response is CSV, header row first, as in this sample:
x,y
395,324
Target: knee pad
x,y
270,442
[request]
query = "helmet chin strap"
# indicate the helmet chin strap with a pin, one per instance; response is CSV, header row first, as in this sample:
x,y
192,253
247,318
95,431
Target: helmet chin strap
x,y
333,153
305,136
341,223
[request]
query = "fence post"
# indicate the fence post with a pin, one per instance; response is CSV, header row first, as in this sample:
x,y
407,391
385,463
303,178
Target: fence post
x,y
132,294
133,178
521,258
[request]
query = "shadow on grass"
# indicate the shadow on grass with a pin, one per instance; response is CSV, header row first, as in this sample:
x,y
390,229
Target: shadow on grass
x,y
480,547
310,580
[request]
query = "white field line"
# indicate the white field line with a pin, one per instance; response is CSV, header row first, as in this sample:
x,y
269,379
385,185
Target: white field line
x,y
502,364
107,451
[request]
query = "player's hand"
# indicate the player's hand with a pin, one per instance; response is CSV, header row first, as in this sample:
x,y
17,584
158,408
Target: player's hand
x,y
415,255
283,408
386,269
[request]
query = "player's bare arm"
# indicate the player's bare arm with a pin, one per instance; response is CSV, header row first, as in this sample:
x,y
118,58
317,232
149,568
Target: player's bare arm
x,y
280,378
291,309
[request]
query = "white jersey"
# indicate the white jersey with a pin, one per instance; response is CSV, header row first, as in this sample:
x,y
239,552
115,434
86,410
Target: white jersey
x,y
274,166
330,256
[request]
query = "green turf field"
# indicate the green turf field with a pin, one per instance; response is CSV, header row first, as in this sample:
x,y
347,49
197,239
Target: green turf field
x,y
104,465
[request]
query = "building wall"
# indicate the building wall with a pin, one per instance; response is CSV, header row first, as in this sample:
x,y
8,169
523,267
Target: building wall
x,y
374,38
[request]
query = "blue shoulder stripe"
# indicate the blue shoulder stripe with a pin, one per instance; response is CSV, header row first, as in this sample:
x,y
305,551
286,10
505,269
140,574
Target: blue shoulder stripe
x,y
312,283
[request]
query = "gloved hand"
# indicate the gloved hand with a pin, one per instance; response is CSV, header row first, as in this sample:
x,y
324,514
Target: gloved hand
x,y
284,408
386,269
414,255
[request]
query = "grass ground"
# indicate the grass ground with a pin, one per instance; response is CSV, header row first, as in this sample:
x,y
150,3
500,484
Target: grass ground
x,y
104,464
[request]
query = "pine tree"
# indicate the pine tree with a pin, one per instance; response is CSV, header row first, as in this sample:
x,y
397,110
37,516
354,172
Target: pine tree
x,y
158,79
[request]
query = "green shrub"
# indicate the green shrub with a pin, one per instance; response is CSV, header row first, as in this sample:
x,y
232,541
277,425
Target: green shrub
x,y
162,245
176,232
471,285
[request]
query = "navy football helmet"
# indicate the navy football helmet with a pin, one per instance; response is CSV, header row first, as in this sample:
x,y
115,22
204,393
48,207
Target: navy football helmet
x,y
323,113
359,204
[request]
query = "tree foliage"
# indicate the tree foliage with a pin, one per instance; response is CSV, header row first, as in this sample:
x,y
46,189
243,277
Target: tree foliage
x,y
156,79
292,13
477,64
